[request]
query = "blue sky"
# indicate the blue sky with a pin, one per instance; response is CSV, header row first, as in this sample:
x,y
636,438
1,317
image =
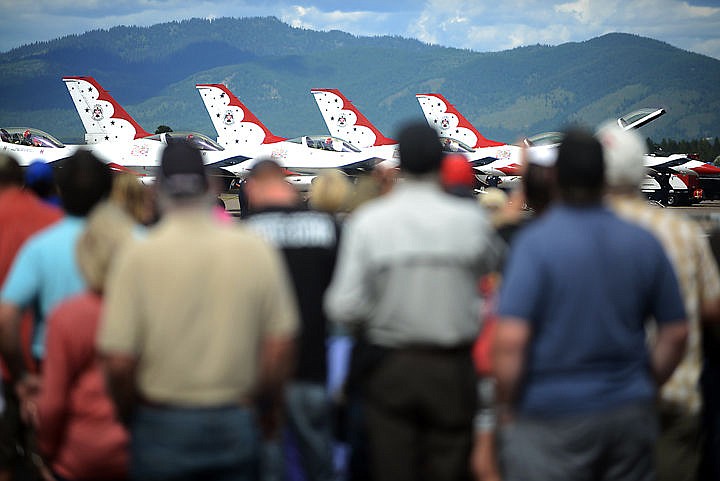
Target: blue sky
x,y
475,24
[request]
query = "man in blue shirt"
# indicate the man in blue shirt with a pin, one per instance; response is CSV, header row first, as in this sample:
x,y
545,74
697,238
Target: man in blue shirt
x,y
575,377
45,271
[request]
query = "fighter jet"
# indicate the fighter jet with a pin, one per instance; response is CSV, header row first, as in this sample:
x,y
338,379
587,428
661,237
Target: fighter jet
x,y
239,130
345,121
114,136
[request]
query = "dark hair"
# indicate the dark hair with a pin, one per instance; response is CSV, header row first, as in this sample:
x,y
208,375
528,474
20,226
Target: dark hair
x,y
580,168
420,149
182,173
10,171
83,181
539,185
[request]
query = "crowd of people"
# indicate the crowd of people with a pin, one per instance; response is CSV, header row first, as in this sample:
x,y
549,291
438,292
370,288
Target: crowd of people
x,y
398,326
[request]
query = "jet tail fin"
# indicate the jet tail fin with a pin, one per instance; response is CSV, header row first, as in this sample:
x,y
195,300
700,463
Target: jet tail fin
x,y
345,121
234,122
445,118
103,118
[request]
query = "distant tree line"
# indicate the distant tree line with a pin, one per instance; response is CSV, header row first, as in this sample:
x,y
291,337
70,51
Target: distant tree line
x,y
707,149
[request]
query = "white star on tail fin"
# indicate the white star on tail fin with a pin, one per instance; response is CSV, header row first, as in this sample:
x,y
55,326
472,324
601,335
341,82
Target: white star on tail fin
x,y
345,121
445,118
103,118
233,121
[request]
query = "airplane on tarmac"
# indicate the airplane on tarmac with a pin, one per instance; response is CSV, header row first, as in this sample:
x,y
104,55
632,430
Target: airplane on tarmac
x,y
452,126
28,144
240,130
496,160
345,121
114,136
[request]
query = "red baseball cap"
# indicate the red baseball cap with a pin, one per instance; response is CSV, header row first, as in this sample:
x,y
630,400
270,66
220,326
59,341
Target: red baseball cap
x,y
456,171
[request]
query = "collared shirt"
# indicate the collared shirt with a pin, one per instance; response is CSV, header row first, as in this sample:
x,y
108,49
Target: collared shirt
x,y
193,302
697,272
44,273
409,264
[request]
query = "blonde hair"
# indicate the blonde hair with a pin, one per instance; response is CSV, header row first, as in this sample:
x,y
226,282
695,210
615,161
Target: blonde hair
x,y
131,195
108,228
330,191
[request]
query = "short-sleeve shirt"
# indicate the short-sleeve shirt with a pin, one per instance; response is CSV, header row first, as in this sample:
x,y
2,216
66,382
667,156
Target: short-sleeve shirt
x,y
586,282
22,214
193,302
308,240
44,273
689,252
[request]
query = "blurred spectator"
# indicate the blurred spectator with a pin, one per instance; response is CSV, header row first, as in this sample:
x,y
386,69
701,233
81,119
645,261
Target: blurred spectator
x,y
457,176
509,218
407,274
330,192
45,271
538,180
679,446
132,196
494,200
570,354
22,214
308,239
199,318
78,433
506,212
40,179
373,185
710,387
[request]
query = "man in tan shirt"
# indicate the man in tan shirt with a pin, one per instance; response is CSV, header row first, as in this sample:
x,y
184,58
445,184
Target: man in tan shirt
x,y
199,319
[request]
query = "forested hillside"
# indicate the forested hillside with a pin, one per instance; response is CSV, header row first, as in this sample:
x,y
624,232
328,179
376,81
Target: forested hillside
x,y
272,66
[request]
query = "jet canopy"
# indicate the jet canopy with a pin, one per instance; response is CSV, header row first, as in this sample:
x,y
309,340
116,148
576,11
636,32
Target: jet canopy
x,y
450,146
197,140
546,138
28,136
324,142
638,118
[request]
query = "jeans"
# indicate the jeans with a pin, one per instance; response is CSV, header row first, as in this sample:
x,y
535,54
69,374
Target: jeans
x,y
309,417
183,444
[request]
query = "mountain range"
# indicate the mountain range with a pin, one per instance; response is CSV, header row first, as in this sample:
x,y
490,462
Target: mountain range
x,y
271,67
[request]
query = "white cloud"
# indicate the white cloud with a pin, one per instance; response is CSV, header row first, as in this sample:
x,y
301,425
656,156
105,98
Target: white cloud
x,y
358,22
512,23
475,24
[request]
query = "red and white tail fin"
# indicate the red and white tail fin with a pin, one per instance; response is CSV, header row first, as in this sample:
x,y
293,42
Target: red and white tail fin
x,y
444,117
233,121
103,118
345,121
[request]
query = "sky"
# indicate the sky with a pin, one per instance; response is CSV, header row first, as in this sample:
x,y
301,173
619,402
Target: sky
x,y
479,25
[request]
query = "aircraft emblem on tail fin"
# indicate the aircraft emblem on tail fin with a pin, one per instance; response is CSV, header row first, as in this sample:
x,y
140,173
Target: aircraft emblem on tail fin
x,y
345,121
103,118
97,113
445,118
235,124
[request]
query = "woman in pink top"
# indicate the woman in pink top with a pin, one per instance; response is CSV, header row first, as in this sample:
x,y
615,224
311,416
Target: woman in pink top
x,y
78,433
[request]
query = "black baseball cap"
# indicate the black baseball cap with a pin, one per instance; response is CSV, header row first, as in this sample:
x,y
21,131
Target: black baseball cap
x,y
182,173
